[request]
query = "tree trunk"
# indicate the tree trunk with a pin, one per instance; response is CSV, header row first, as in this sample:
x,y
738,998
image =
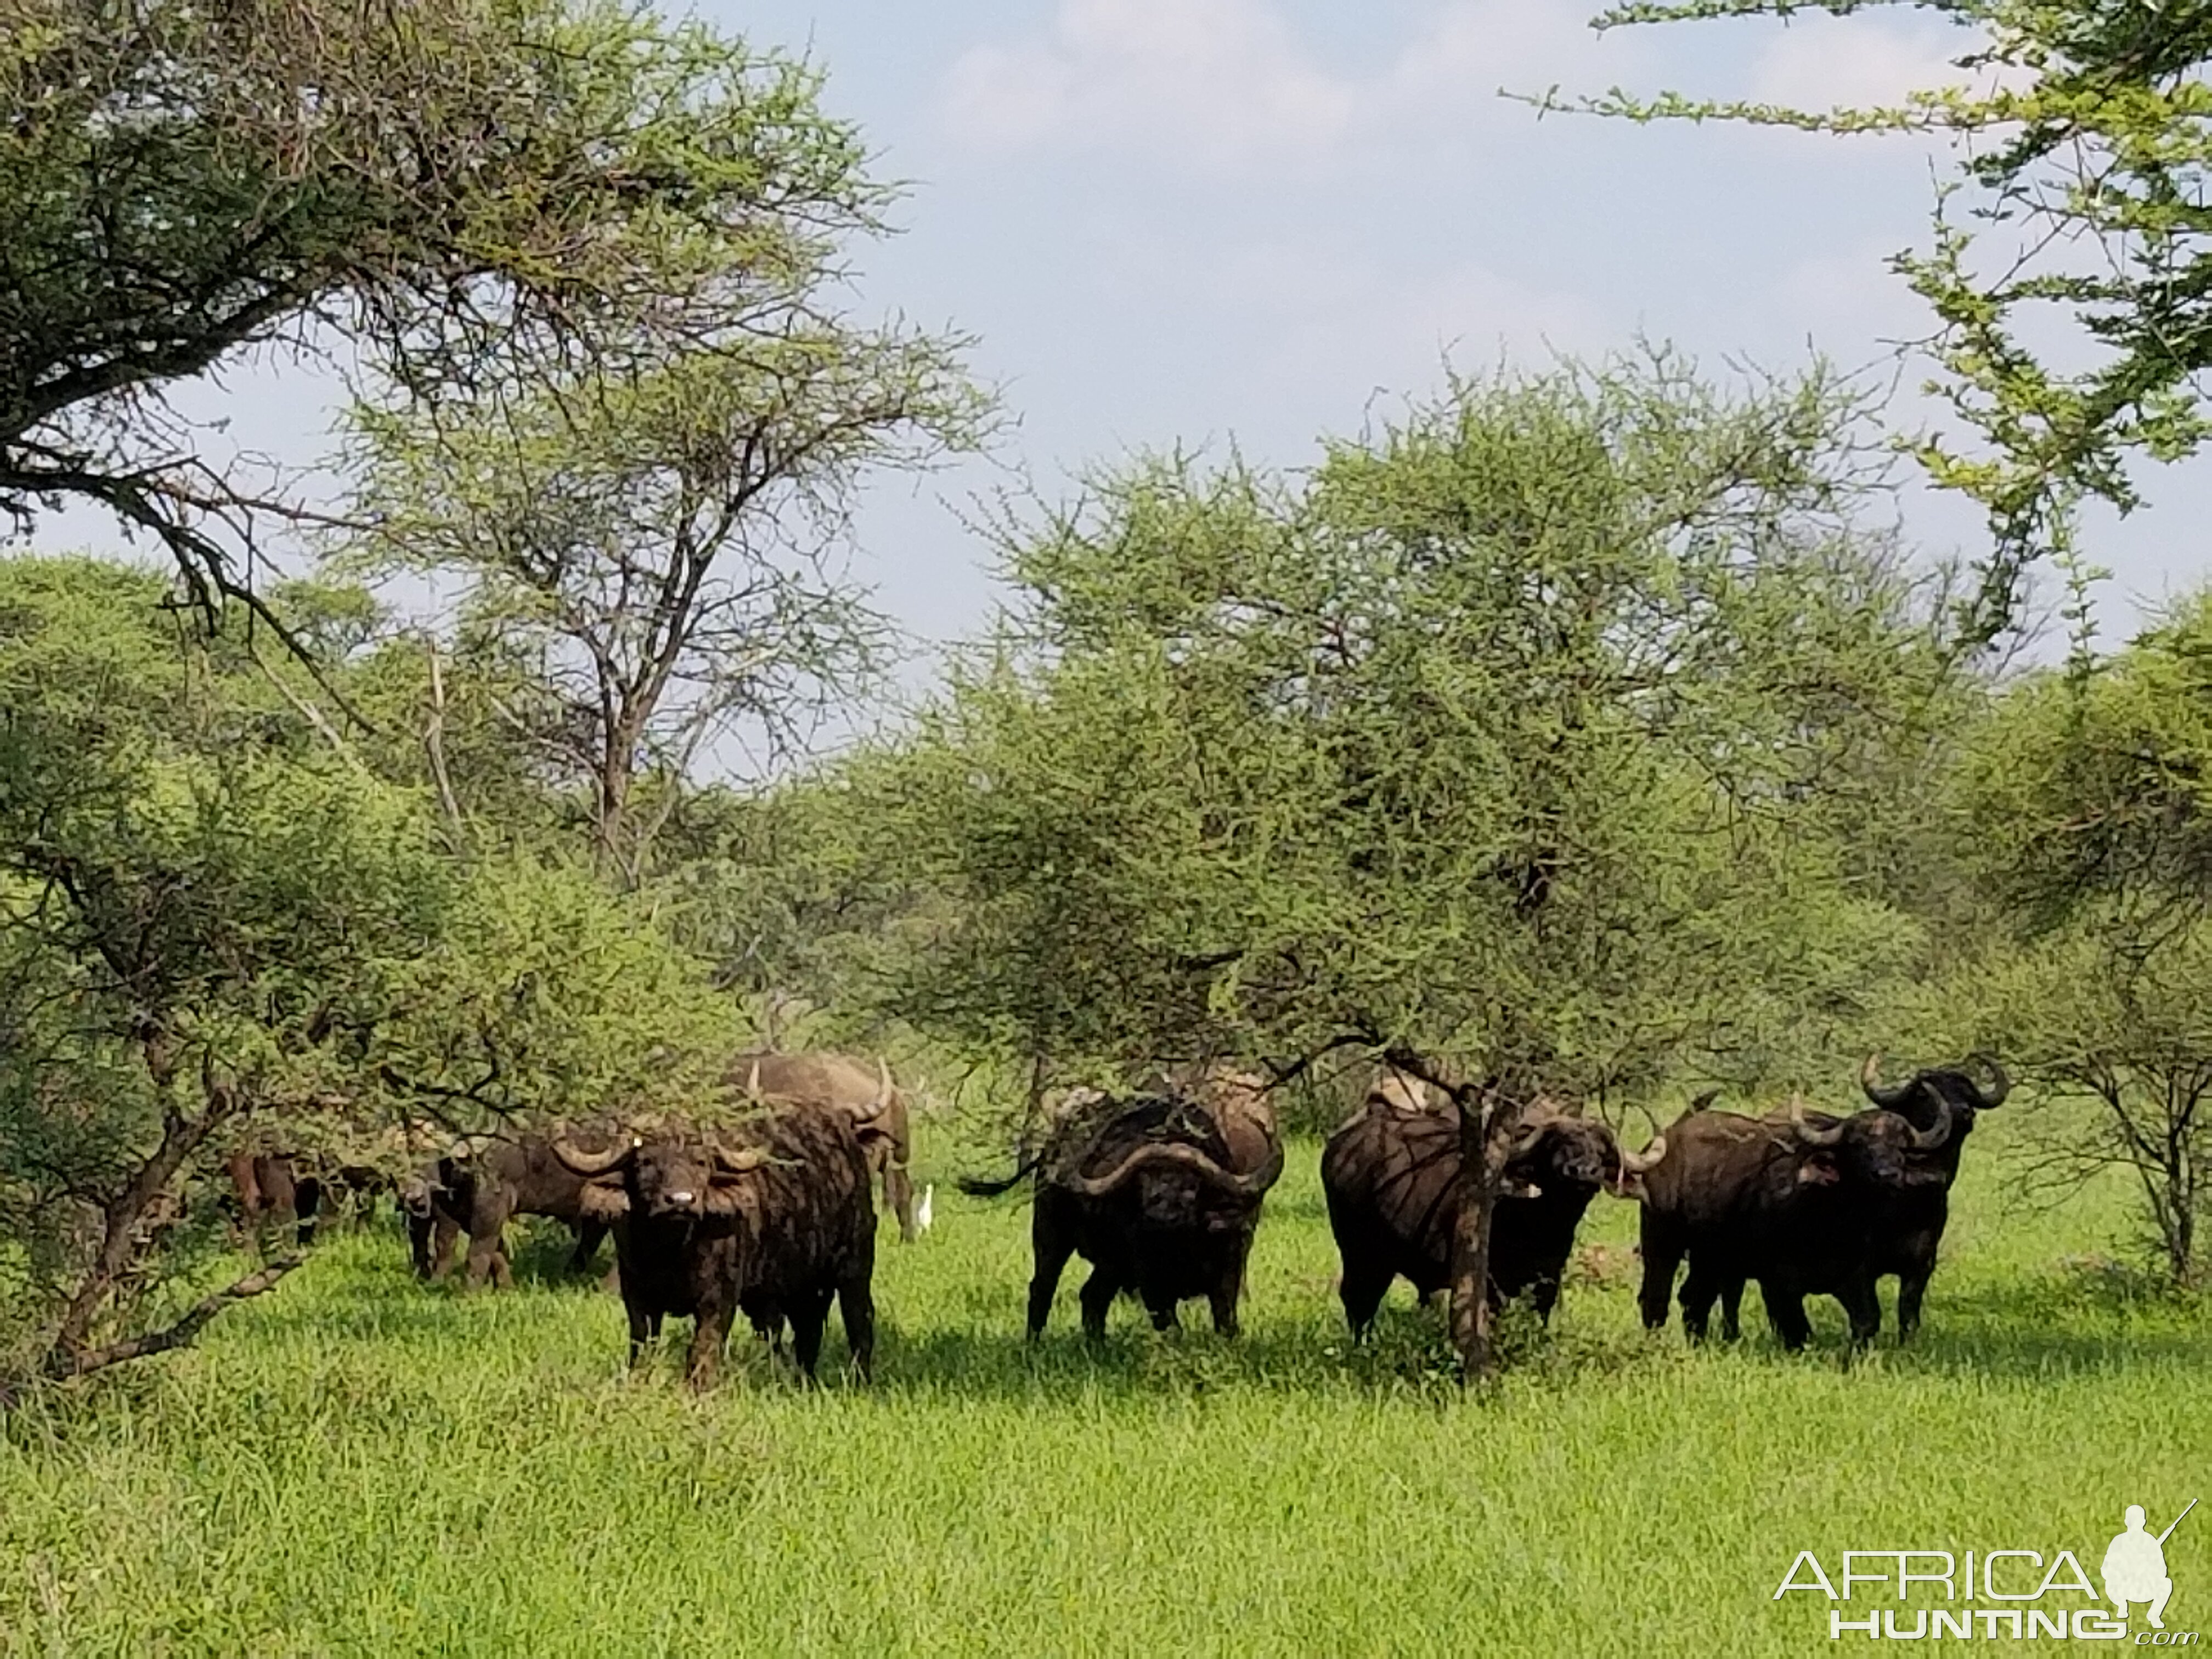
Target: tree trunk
x,y
181,1137
1470,1265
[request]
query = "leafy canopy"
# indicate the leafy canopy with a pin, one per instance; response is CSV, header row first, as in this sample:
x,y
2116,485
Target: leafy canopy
x,y
2070,271
1497,739
440,200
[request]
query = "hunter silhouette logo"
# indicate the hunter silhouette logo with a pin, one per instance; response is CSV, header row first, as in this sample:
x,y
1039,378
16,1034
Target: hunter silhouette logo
x,y
2135,1566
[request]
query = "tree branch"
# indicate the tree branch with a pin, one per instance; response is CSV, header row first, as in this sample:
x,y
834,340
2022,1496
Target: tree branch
x,y
64,1363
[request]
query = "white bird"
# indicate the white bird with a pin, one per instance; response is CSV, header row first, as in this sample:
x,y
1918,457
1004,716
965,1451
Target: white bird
x,y
922,1210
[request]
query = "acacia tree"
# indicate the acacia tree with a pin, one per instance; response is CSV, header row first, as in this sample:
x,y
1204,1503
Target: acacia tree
x,y
1488,750
2088,792
2068,270
660,545
216,929
437,200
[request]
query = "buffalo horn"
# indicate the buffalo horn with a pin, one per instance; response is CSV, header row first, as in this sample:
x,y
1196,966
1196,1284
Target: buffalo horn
x,y
1808,1132
1990,1099
1636,1163
1928,1139
1188,1158
742,1162
1525,1142
578,1162
1870,1081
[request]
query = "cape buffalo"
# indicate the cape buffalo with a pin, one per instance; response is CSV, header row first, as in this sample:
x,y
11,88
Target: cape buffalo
x,y
483,1187
864,1093
774,1216
1396,1181
1160,1193
1796,1202
1908,1244
436,1215
271,1186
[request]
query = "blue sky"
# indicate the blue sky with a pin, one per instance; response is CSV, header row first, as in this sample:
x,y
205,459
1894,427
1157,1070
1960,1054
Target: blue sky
x,y
1195,220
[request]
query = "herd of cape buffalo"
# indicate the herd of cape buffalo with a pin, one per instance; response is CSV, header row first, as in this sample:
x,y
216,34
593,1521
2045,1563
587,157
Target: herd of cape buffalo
x,y
774,1215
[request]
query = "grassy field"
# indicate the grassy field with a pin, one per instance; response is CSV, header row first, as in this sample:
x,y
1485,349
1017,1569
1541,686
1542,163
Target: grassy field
x,y
358,1465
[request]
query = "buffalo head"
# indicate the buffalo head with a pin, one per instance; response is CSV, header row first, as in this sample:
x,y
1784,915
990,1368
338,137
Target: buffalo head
x,y
675,1178
1950,1086
1880,1148
1554,1150
1174,1155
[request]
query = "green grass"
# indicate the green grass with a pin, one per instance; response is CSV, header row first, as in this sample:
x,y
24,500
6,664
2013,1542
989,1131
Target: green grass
x,y
357,1465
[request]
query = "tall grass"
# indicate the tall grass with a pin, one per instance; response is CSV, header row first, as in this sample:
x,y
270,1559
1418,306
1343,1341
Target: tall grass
x,y
358,1465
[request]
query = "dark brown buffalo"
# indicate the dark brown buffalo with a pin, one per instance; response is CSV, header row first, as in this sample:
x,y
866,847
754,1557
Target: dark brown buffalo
x,y
274,1188
436,1216
863,1091
1396,1184
483,1184
1160,1193
1909,1241
1796,1202
774,1216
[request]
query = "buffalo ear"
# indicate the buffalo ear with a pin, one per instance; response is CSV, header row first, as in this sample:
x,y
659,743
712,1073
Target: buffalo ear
x,y
603,1201
1818,1171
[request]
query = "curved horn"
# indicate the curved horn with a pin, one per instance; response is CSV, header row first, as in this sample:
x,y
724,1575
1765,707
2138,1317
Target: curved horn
x,y
1988,1100
1188,1158
883,1088
742,1162
1636,1163
1931,1138
1870,1082
578,1162
1808,1132
1525,1142
752,1080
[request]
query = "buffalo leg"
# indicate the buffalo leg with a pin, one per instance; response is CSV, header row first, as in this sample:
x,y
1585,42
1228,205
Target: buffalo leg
x,y
1097,1296
1699,1287
307,1196
1362,1289
808,1312
588,1235
1052,1253
1910,1287
1785,1312
445,1231
488,1259
643,1328
1544,1296
709,1331
1863,1306
1163,1313
487,1245
1222,1299
1662,1254
418,1243
1731,1308
856,1305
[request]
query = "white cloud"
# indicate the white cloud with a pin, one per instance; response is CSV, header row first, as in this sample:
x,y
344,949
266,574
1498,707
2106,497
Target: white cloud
x,y
1222,79
1828,63
1229,84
